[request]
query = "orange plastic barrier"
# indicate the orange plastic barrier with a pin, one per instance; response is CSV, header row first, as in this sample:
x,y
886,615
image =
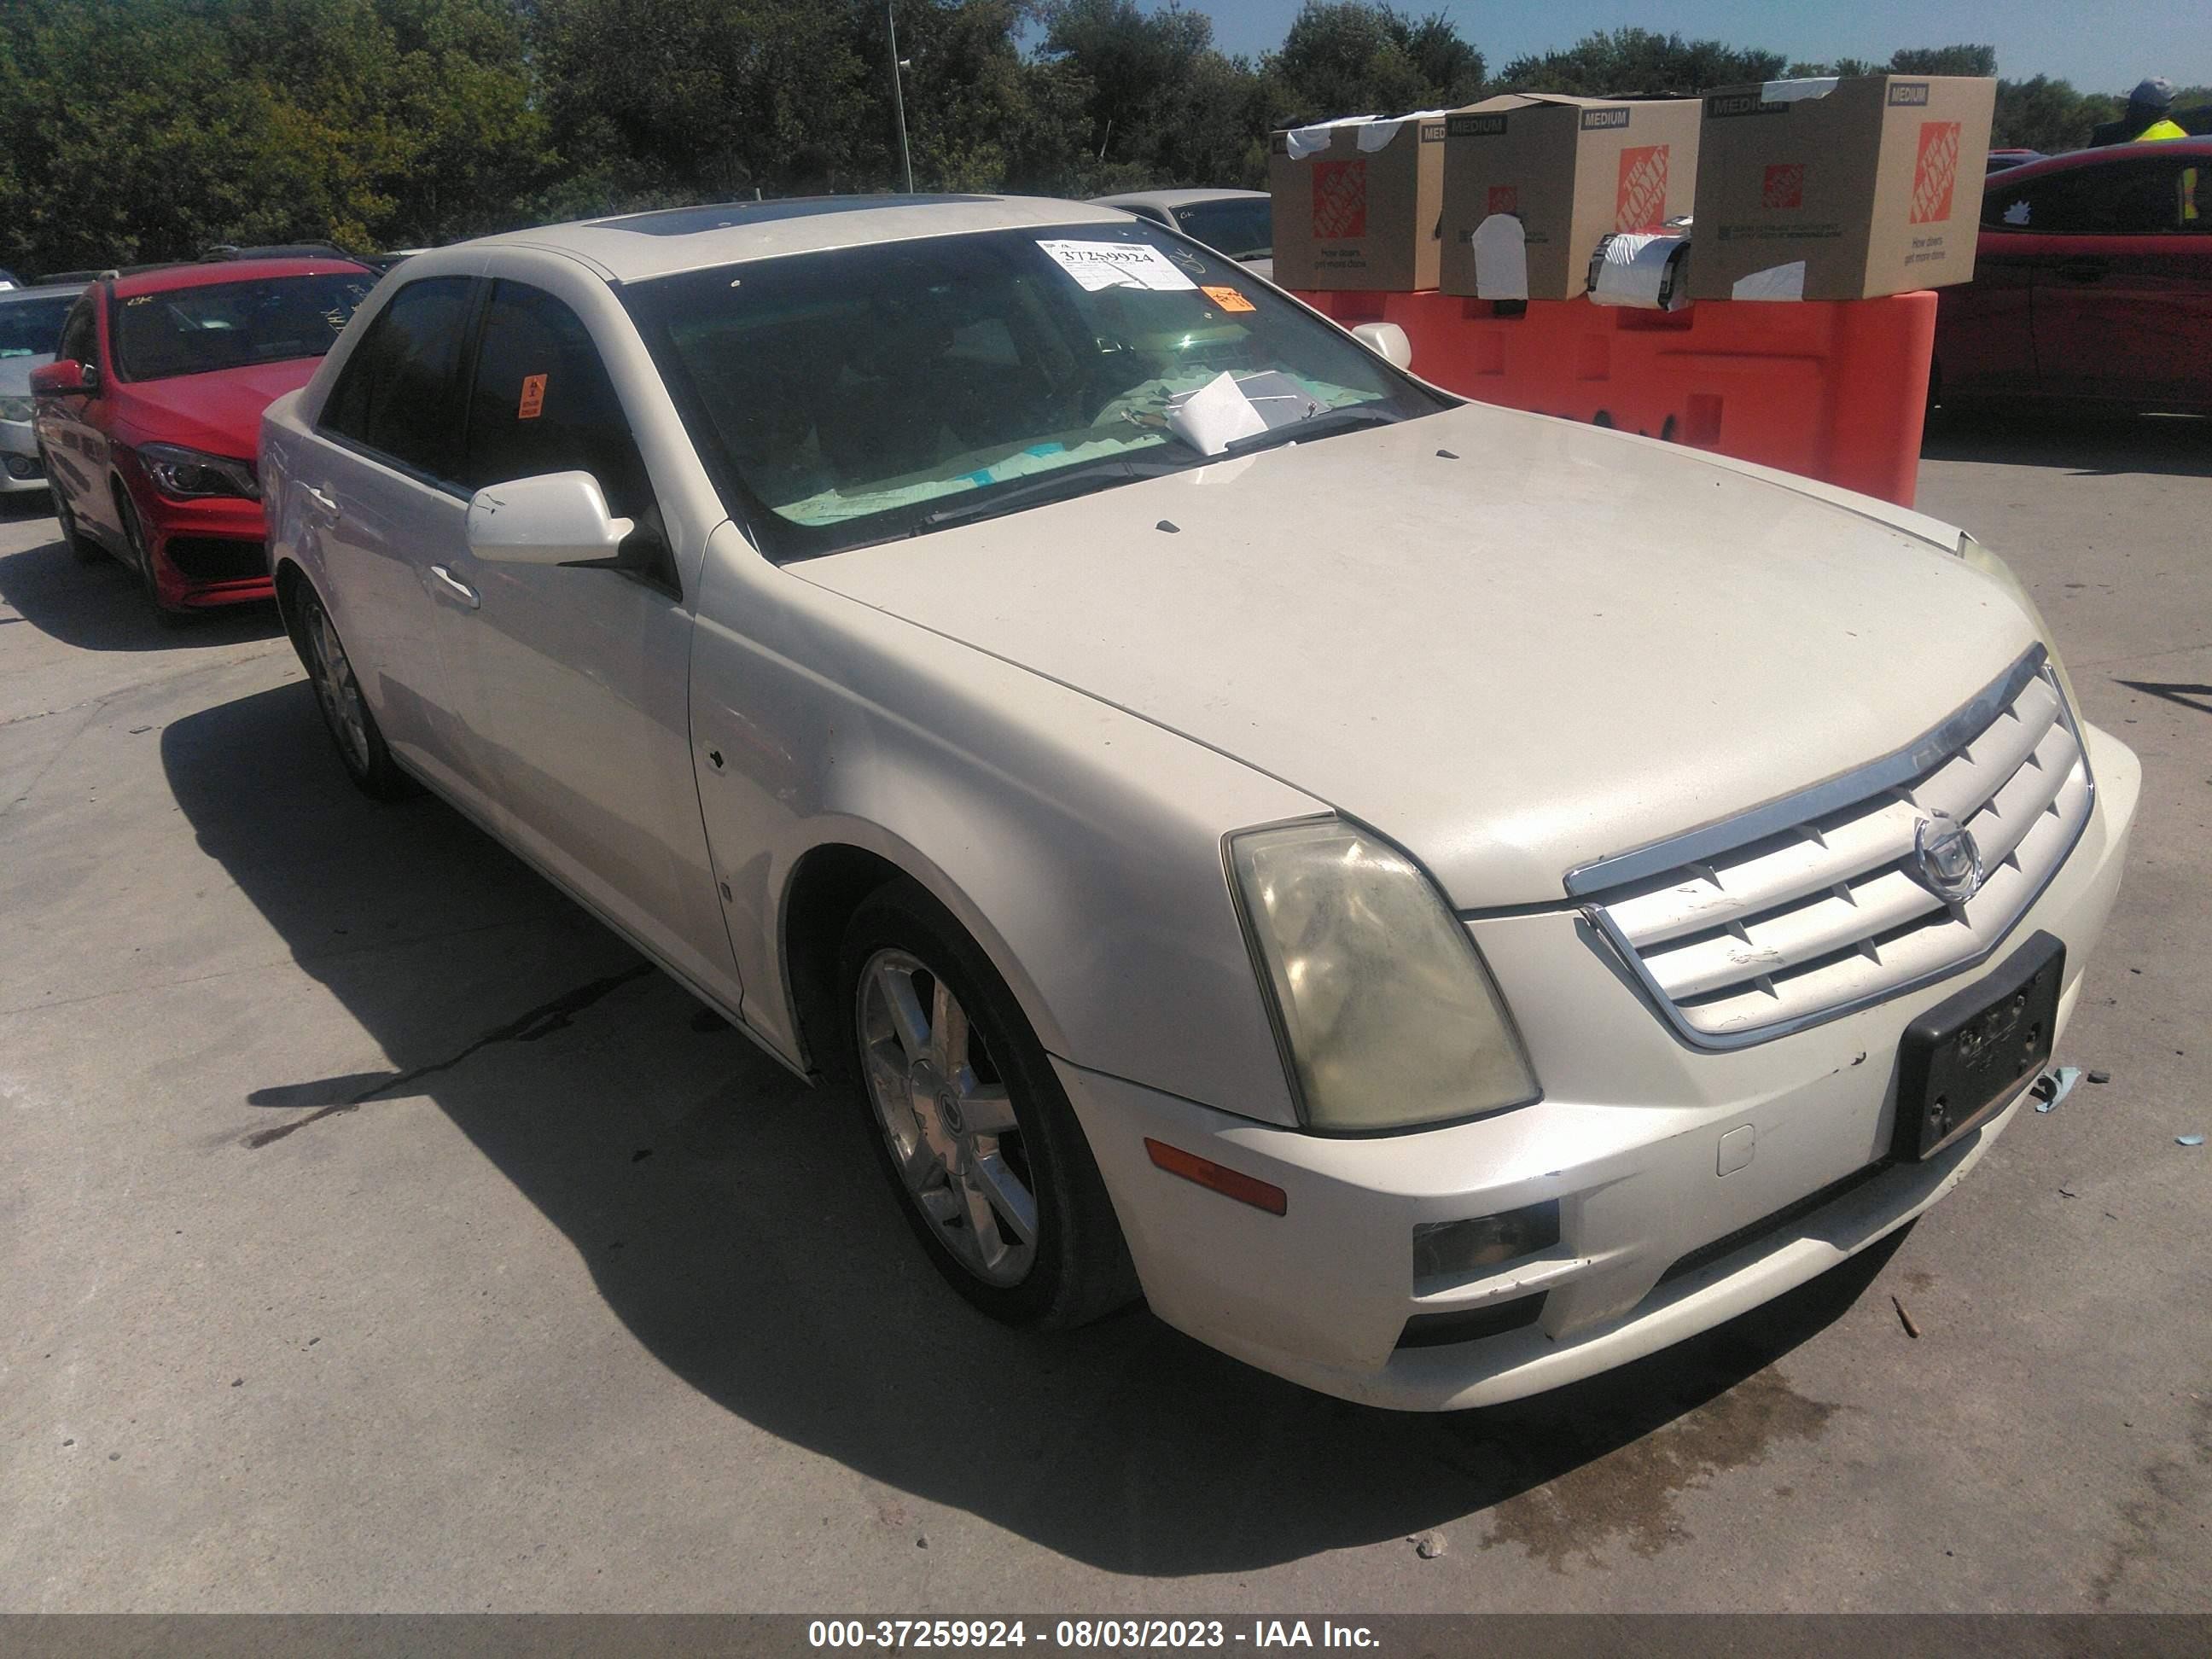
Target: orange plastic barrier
x,y
1831,389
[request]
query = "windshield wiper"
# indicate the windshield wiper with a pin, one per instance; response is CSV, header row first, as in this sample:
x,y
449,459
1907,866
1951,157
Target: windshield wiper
x,y
1326,423
1064,484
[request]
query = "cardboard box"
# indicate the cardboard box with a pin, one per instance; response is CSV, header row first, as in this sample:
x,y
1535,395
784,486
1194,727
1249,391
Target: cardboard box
x,y
1355,203
1839,189
1571,169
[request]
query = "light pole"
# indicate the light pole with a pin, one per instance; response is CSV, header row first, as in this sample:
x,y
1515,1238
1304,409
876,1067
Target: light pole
x,y
898,94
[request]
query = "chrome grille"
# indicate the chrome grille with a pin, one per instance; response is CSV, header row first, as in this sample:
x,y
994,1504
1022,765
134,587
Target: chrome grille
x,y
1815,905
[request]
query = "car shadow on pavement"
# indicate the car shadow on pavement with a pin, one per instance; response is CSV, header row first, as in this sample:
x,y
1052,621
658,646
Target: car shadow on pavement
x,y
735,1223
2089,443
99,606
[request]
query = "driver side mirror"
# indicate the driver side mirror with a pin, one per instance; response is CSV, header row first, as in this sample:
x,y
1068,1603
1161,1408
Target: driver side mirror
x,y
557,518
63,378
1387,341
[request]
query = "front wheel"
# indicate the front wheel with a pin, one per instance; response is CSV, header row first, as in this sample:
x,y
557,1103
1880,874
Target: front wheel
x,y
973,1128
142,561
82,547
346,714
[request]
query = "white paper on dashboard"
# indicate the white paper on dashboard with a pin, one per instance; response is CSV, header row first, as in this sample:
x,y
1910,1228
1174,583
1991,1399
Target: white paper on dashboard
x,y
1117,265
1215,415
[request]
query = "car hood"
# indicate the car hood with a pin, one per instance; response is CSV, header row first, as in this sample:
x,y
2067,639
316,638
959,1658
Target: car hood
x,y
1513,644
218,412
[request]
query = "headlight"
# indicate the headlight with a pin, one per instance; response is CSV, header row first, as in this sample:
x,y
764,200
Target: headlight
x,y
1387,1016
15,408
179,472
1998,571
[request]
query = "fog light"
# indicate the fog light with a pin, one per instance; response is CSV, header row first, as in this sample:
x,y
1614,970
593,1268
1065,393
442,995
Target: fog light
x,y
23,466
1464,1249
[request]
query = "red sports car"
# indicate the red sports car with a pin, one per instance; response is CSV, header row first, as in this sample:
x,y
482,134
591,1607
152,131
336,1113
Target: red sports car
x,y
2092,284
148,415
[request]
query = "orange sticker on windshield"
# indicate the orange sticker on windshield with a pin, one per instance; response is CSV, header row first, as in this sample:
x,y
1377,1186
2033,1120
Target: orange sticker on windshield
x,y
533,398
1227,298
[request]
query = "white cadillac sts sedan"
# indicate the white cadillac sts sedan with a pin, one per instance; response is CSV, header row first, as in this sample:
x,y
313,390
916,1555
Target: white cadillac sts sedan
x,y
1440,901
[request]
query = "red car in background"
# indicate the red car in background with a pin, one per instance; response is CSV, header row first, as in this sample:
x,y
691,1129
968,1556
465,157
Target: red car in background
x,y
148,415
2092,284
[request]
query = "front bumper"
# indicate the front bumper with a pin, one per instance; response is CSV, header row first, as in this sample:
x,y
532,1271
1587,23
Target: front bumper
x,y
21,469
207,552
1626,1142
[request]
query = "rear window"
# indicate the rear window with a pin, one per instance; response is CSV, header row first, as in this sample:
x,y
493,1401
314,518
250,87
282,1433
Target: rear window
x,y
197,330
1242,226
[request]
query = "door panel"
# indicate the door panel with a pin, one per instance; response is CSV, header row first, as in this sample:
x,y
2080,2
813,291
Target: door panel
x,y
572,684
373,495
1986,329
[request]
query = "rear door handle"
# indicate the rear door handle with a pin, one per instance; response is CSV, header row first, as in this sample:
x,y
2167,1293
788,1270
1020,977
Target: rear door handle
x,y
454,588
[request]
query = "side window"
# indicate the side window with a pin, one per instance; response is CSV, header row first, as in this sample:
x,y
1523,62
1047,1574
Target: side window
x,y
79,340
1152,213
2139,198
542,403
397,395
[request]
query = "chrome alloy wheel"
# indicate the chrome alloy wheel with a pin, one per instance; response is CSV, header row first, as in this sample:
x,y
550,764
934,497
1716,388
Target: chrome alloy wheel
x,y
335,685
952,1131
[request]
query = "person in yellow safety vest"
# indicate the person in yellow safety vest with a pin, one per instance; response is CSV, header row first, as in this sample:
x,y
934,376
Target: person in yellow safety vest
x,y
2149,116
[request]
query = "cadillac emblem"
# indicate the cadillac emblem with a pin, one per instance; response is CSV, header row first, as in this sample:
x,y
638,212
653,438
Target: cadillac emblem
x,y
1949,861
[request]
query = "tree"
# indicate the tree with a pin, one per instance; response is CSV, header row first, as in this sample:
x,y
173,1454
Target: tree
x,y
1638,60
2040,113
1945,60
1160,104
1354,57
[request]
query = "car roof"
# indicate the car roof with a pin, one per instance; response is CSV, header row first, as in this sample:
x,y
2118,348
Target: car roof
x,y
164,279
2103,154
1171,199
637,246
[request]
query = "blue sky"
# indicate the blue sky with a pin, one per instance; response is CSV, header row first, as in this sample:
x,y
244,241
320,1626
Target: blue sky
x,y
2098,44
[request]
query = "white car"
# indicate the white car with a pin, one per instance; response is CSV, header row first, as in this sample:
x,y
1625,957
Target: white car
x,y
1444,900
30,327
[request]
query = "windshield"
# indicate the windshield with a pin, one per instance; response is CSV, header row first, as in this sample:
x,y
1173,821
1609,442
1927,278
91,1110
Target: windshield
x,y
195,330
866,393
32,328
1242,226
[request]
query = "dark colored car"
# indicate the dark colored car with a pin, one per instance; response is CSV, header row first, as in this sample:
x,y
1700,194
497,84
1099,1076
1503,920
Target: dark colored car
x,y
148,415
2092,284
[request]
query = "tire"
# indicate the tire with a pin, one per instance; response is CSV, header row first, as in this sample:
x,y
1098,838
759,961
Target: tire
x,y
957,1177
82,547
346,714
142,562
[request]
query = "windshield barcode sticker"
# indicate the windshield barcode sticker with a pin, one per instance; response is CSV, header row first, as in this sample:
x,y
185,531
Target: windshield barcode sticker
x,y
1116,265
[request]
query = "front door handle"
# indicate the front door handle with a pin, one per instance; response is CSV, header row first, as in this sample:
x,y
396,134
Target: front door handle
x,y
2082,270
454,588
320,500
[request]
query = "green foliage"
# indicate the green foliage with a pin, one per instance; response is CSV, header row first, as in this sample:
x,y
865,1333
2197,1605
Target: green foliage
x,y
1350,57
1639,60
140,129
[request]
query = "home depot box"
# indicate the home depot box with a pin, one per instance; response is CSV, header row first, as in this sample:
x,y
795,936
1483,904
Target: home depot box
x,y
1570,170
1839,189
1356,203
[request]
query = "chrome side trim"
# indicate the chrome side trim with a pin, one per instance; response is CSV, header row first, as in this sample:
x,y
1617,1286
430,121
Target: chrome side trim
x,y
1603,925
1846,789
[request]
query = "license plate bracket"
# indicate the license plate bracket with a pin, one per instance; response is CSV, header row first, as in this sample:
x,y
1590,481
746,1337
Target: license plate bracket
x,y
1963,1060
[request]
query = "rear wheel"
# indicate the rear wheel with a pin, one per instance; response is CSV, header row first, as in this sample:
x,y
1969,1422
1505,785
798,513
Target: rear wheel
x,y
973,1129
346,713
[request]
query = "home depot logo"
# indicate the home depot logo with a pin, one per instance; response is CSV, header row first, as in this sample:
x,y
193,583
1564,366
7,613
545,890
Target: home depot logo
x,y
1340,200
1505,199
1784,185
1640,202
1934,171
